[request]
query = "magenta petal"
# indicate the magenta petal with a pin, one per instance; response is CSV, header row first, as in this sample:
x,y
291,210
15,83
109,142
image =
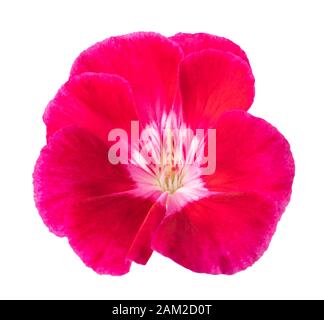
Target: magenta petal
x,y
222,234
191,43
230,230
101,231
79,194
212,82
251,156
72,167
148,61
90,100
140,250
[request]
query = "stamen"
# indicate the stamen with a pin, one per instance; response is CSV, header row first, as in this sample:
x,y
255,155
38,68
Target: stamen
x,y
168,158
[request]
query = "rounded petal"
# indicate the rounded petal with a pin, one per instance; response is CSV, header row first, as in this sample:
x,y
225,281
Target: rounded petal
x,y
191,43
79,194
148,61
102,230
221,234
212,82
72,166
90,100
251,156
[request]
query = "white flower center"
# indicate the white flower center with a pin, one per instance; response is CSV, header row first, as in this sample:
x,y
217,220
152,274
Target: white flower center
x,y
168,160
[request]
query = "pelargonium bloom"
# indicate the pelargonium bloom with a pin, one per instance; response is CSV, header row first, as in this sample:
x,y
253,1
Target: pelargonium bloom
x,y
117,213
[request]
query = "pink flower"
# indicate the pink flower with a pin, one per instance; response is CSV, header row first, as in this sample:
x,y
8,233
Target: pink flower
x,y
113,214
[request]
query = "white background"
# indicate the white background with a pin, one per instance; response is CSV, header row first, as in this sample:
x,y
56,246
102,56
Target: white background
x,y
38,43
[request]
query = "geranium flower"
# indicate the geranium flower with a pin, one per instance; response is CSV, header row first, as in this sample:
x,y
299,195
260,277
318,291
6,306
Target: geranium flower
x,y
114,214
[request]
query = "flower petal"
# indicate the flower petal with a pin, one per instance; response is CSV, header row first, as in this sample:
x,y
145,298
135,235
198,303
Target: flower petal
x,y
212,82
79,194
251,156
222,234
102,230
74,166
148,61
140,250
90,100
191,43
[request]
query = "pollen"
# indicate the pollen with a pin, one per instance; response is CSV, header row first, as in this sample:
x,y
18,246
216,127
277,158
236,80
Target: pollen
x,y
170,179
